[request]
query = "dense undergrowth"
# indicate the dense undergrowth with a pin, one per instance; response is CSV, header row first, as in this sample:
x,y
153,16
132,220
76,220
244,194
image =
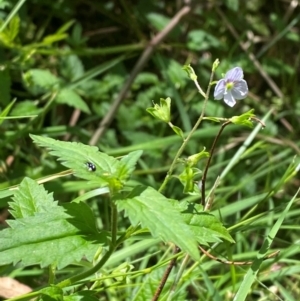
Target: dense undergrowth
x,y
109,223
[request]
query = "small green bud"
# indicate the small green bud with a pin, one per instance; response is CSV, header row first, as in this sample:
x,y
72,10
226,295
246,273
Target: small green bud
x,y
194,159
162,111
244,119
190,71
215,65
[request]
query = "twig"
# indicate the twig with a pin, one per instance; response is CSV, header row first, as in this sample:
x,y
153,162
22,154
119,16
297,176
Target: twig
x,y
137,68
74,119
274,254
166,275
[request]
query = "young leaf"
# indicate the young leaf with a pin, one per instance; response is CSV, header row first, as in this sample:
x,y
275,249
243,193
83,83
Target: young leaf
x,y
89,163
72,99
40,81
206,227
178,131
129,162
30,199
157,213
187,179
52,38
244,119
54,235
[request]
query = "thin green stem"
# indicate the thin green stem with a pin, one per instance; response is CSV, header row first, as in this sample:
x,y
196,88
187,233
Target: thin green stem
x,y
114,220
90,272
113,245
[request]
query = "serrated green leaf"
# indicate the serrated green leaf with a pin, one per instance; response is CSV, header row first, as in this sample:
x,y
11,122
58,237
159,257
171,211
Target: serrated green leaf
x,y
206,227
129,162
30,199
40,81
71,98
157,213
76,156
61,236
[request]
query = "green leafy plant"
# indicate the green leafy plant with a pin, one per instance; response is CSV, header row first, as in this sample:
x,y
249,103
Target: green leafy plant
x,y
186,200
69,230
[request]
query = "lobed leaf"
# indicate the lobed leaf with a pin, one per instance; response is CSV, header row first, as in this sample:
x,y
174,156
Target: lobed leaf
x,y
205,226
108,170
71,98
160,216
40,81
59,235
30,199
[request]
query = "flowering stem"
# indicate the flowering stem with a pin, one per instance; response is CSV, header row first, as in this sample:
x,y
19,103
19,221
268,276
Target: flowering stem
x,y
199,88
208,162
185,141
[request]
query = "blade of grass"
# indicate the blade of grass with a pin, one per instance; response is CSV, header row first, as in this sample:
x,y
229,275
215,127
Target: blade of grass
x,y
250,276
245,145
13,12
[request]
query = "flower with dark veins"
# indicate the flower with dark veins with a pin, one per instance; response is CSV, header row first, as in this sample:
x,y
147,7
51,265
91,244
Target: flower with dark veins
x,y
232,87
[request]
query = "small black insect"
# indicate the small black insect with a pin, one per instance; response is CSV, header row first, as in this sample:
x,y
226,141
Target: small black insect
x,y
91,166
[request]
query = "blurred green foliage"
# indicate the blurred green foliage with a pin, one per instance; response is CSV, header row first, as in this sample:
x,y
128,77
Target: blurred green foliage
x,y
65,62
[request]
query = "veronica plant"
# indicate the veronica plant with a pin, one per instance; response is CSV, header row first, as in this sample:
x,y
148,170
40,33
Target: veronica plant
x,y
41,223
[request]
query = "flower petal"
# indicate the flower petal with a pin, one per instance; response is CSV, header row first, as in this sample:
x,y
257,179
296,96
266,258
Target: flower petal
x,y
219,89
240,90
229,100
234,74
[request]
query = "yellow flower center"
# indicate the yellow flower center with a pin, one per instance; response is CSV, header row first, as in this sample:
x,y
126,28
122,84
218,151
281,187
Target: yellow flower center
x,y
229,85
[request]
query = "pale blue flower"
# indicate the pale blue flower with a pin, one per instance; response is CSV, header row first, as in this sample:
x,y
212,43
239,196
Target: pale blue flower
x,y
231,87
